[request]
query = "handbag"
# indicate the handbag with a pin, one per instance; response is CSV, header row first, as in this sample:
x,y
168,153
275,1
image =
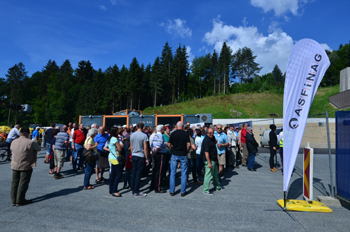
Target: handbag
x,y
104,154
89,157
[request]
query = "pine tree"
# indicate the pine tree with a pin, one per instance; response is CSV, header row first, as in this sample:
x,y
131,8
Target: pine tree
x,y
133,78
15,81
166,72
243,65
84,76
147,79
180,69
214,68
155,82
123,83
277,73
224,65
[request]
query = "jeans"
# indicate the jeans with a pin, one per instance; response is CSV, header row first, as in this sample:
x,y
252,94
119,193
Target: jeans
x,y
127,178
78,152
173,166
211,173
116,174
199,164
137,166
48,149
88,172
251,160
69,153
9,141
272,155
192,166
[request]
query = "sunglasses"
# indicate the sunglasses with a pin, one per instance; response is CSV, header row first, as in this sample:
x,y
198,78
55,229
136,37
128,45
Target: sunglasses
x,y
210,133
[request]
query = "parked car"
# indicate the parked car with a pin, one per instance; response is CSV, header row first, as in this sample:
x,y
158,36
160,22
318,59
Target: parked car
x,y
264,140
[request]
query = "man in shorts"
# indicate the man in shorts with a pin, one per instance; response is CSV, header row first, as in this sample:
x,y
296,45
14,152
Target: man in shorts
x,y
60,147
223,142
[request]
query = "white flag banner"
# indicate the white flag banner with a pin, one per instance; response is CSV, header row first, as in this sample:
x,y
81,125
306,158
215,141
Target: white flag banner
x,y
307,65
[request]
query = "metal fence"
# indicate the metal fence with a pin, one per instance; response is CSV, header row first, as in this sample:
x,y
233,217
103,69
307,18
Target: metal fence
x,y
343,153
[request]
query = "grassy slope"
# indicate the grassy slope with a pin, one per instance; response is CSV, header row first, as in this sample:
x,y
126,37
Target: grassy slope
x,y
251,105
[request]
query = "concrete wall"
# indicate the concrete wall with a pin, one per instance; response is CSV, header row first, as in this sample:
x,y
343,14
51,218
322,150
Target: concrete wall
x,y
344,79
315,134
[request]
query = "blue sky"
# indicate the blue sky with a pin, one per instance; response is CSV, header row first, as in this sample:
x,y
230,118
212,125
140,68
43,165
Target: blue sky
x,y
109,32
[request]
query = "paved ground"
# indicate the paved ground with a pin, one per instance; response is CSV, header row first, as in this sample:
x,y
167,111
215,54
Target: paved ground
x,y
62,205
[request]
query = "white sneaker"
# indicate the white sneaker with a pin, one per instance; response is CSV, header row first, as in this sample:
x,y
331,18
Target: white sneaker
x,y
140,195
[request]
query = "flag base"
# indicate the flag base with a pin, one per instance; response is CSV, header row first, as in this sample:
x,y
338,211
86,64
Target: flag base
x,y
304,206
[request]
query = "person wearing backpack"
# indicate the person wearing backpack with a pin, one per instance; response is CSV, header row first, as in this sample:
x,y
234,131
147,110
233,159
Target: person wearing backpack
x,y
115,147
90,160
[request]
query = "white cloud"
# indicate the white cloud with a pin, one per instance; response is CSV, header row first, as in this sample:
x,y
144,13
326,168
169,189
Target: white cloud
x,y
203,48
189,54
102,7
326,47
279,6
114,2
177,27
270,50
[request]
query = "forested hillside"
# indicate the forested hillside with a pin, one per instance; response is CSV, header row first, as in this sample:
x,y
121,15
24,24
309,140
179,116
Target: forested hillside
x,y
59,93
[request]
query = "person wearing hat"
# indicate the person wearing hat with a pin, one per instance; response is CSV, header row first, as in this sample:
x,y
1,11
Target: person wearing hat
x,y
24,157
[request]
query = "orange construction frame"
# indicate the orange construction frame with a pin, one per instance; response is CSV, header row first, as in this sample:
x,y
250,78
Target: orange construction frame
x,y
168,115
116,116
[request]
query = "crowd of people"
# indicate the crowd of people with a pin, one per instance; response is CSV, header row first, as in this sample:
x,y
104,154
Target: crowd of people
x,y
198,151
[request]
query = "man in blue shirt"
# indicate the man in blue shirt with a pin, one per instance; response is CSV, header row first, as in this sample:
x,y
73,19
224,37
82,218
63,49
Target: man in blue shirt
x,y
223,142
35,135
102,162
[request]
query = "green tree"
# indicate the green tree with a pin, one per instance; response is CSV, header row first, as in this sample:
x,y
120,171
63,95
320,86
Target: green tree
x,y
180,69
200,70
133,80
84,75
166,72
224,66
277,73
155,81
214,69
15,81
244,66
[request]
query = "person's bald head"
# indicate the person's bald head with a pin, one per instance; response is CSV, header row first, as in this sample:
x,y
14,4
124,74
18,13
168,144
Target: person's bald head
x,y
102,130
210,132
179,125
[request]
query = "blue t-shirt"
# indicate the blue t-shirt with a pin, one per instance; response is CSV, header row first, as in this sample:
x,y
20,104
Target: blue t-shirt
x,y
35,134
112,150
101,140
61,138
221,138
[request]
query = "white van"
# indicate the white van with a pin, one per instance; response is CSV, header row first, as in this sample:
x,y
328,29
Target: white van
x,y
264,140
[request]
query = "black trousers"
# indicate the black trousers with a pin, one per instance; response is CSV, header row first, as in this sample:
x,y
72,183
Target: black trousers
x,y
166,165
20,184
272,155
157,171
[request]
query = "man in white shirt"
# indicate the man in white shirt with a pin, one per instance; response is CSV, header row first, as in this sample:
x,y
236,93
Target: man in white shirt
x,y
14,134
232,138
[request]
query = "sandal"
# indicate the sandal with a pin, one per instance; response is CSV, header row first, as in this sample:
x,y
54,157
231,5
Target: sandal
x,y
116,195
89,188
98,181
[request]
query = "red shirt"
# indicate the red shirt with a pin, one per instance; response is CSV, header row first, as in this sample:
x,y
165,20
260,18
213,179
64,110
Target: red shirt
x,y
243,134
79,137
